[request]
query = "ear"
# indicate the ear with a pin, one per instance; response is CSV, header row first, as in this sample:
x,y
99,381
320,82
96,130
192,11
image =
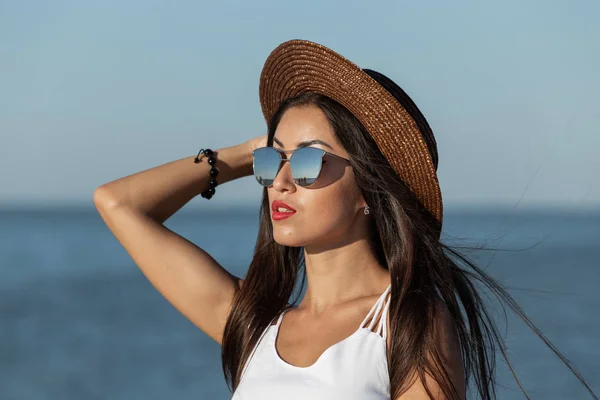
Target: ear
x,y
361,203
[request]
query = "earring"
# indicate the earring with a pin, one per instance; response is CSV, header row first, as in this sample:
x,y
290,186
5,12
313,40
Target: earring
x,y
366,210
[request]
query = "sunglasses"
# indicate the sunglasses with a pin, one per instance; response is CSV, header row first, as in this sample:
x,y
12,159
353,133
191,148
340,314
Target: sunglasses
x,y
305,162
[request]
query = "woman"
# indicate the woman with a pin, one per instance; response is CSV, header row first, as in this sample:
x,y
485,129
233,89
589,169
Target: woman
x,y
351,196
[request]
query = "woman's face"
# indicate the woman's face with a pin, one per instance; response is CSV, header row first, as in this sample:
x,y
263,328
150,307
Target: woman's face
x,y
329,212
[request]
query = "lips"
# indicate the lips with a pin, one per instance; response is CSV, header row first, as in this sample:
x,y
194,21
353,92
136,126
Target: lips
x,y
278,203
279,215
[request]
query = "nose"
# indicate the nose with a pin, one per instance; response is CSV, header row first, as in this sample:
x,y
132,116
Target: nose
x,y
284,181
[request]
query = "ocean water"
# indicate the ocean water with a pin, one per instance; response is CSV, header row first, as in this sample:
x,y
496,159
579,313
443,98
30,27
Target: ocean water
x,y
78,320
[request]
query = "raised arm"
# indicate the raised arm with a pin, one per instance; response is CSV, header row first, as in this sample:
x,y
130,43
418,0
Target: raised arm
x,y
135,207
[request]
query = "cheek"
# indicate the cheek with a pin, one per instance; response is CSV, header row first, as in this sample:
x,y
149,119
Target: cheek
x,y
331,208
331,202
326,212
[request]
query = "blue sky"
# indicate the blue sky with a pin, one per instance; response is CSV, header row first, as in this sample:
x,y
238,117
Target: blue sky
x,y
91,91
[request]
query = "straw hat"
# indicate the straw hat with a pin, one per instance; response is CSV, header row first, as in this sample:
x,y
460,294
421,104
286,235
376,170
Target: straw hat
x,y
385,110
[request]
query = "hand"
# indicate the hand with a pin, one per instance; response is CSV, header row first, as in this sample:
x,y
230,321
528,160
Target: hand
x,y
256,142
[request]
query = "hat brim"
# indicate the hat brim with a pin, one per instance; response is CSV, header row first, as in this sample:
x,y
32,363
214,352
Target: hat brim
x,y
299,66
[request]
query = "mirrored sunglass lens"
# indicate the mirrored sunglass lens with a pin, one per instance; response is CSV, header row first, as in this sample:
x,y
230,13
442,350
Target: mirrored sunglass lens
x,y
266,164
306,165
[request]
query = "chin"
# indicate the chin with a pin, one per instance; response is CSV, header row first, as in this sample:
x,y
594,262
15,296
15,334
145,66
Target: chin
x,y
300,234
287,237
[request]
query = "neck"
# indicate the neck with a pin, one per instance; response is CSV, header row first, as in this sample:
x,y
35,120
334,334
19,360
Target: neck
x,y
341,273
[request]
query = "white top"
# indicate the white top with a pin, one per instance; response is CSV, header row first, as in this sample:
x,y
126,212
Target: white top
x,y
354,368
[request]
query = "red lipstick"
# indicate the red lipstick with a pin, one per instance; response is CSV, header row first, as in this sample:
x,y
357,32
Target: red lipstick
x,y
279,215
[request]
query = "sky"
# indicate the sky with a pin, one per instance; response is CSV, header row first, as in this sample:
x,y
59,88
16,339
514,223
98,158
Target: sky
x,y
92,91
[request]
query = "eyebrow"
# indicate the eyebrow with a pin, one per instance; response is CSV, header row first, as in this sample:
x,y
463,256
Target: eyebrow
x,y
305,143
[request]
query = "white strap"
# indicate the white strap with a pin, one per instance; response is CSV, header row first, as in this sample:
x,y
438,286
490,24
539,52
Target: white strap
x,y
375,309
382,328
280,318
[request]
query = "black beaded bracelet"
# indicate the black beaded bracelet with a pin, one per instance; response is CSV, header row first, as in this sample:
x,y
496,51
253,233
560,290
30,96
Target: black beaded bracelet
x,y
213,172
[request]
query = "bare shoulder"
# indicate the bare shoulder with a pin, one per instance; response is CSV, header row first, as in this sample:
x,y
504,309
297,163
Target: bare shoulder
x,y
446,338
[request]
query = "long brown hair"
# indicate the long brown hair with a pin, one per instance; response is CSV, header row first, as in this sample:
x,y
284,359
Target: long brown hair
x,y
423,271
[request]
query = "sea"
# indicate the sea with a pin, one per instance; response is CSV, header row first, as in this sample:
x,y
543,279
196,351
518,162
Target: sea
x,y
79,321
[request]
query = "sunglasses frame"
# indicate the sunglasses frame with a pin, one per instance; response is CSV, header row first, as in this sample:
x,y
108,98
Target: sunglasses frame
x,y
288,159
